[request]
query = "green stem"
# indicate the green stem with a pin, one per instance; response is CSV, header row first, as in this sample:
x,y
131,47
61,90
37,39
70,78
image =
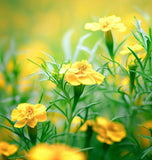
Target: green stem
x,y
78,90
32,134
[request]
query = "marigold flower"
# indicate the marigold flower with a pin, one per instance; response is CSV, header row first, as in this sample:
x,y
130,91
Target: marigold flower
x,y
54,152
144,129
28,114
109,132
81,72
105,24
7,149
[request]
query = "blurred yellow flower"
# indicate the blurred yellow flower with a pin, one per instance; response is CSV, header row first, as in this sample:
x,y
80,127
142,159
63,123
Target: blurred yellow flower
x,y
88,123
2,81
109,132
81,72
28,114
54,152
76,122
58,120
135,47
144,130
7,149
107,23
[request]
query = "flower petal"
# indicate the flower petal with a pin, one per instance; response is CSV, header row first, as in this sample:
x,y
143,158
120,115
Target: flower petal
x,y
32,122
39,108
15,115
72,79
21,123
86,80
41,117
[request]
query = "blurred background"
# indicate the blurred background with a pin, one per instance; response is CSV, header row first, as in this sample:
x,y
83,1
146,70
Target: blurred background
x,y
41,24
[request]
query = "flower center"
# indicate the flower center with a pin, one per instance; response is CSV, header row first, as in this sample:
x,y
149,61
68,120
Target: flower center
x,y
105,25
82,67
29,111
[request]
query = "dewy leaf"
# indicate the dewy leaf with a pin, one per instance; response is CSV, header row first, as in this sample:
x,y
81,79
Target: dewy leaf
x,y
66,44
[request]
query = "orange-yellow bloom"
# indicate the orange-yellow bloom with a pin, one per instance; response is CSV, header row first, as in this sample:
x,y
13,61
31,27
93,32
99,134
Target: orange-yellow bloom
x,y
81,72
28,114
144,129
107,23
7,149
54,152
109,132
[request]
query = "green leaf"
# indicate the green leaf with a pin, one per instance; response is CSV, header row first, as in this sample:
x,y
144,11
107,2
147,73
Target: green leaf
x,y
7,119
147,137
84,108
136,58
66,44
34,62
120,44
53,60
86,149
146,151
1,125
56,106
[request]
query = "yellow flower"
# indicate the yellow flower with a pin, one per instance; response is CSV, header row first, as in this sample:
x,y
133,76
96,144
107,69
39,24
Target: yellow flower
x,y
76,122
2,81
64,68
54,152
107,23
81,72
28,114
143,130
134,47
7,149
109,132
89,122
